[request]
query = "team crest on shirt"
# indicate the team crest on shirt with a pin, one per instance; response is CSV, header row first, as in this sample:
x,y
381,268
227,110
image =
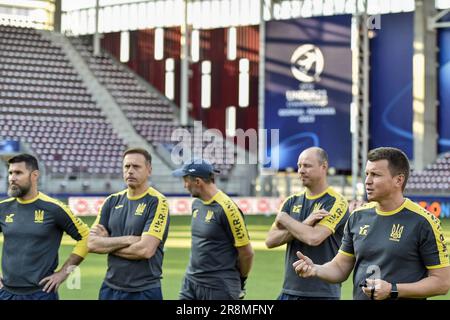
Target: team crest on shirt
x,y
297,208
396,232
209,216
38,216
194,213
140,209
9,218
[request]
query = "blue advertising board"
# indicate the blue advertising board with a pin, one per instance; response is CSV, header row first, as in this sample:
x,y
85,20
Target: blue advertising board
x,y
391,54
308,82
9,146
444,91
391,74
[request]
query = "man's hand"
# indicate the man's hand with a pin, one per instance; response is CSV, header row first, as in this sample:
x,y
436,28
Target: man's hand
x,y
304,266
315,217
99,231
377,289
52,283
243,291
280,219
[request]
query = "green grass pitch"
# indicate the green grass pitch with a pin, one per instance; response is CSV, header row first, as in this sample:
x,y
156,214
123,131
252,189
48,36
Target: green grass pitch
x,y
264,283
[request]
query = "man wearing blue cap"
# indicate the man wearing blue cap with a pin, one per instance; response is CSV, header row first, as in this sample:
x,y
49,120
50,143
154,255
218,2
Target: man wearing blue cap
x,y
221,253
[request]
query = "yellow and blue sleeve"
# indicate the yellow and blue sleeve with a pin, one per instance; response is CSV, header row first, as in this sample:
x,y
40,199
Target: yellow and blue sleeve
x,y
160,219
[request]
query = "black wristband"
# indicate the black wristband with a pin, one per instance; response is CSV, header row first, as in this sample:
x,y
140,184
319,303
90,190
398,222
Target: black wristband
x,y
243,281
394,292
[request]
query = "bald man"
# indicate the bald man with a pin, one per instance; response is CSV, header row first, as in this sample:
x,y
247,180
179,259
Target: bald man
x,y
310,221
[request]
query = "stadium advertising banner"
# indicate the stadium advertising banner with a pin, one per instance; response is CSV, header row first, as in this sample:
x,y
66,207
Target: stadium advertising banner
x,y
308,88
90,206
9,146
444,92
391,54
439,206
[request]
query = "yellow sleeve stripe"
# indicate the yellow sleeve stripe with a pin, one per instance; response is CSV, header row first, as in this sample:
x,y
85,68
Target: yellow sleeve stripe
x,y
346,253
437,231
439,266
337,212
8,200
235,220
158,225
81,248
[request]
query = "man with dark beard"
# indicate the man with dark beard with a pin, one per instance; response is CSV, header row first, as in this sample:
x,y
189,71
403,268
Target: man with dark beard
x,y
33,224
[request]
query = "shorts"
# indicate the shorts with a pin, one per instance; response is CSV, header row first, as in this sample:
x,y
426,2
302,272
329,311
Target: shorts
x,y
107,293
191,290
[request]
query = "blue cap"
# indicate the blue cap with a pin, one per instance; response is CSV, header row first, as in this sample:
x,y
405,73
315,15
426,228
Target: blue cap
x,y
197,168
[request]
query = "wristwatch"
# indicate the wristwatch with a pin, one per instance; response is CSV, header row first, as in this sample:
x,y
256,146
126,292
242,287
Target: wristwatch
x,y
394,292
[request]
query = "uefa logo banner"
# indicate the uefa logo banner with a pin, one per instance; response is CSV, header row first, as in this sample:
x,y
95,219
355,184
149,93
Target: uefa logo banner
x,y
307,63
308,88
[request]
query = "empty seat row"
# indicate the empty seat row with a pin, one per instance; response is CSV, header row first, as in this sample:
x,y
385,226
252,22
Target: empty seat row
x,y
33,55
51,76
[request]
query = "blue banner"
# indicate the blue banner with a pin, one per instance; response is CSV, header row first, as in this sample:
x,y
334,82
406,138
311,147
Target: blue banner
x,y
9,146
444,90
391,74
308,88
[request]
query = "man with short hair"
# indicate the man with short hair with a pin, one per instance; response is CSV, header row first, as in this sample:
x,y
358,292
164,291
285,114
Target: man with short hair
x,y
221,252
395,248
33,224
132,227
311,221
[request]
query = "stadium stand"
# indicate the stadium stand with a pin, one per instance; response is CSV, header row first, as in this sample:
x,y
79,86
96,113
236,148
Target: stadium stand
x,y
435,178
45,105
150,113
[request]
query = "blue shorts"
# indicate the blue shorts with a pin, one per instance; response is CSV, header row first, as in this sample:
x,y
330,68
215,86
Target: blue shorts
x,y
108,293
39,295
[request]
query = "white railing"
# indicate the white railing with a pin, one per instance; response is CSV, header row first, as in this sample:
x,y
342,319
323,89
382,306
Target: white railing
x,y
203,14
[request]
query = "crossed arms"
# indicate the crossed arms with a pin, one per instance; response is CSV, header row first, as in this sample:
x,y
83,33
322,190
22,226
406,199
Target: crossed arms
x,y
286,228
128,247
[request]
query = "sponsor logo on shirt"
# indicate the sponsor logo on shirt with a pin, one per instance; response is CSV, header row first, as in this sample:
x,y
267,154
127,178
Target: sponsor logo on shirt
x,y
364,229
38,216
396,232
9,218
